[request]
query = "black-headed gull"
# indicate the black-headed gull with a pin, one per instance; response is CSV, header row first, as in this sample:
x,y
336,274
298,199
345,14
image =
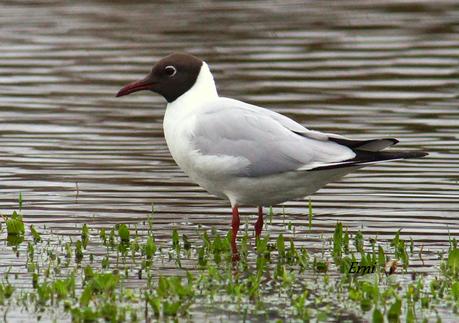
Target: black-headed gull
x,y
245,153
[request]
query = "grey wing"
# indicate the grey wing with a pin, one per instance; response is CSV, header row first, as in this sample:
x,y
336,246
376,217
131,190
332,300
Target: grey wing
x,y
265,142
372,145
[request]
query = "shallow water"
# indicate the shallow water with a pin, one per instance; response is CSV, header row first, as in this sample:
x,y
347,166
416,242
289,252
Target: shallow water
x,y
357,68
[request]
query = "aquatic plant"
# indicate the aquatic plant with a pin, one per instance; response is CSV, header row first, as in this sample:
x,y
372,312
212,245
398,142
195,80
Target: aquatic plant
x,y
123,272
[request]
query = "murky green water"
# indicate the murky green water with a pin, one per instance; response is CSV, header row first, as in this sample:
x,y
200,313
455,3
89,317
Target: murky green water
x,y
358,68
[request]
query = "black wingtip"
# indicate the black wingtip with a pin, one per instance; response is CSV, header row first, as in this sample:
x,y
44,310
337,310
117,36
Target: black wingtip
x,y
415,154
372,145
389,155
363,157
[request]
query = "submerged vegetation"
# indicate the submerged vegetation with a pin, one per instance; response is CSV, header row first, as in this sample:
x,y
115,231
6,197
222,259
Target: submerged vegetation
x,y
124,273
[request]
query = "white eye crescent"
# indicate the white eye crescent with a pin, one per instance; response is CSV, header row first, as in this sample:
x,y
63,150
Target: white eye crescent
x,y
170,70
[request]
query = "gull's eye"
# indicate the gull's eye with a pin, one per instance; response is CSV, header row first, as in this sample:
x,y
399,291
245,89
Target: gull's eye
x,y
170,70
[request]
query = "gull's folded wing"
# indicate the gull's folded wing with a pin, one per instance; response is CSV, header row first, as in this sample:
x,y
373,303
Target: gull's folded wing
x,y
261,142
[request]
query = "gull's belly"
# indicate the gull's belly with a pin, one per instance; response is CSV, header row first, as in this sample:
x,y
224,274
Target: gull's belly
x,y
279,188
270,190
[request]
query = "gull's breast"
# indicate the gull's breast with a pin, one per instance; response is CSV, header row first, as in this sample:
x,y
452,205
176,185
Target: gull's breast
x,y
211,172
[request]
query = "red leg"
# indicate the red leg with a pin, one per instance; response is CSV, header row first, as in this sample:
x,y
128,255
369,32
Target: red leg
x,y
235,225
259,223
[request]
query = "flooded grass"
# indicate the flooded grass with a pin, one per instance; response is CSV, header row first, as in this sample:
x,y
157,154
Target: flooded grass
x,y
124,273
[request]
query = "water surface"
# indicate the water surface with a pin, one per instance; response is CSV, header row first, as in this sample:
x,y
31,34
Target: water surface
x,y
357,68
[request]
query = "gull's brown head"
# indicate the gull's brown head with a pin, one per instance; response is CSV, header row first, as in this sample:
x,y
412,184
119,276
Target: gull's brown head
x,y
171,77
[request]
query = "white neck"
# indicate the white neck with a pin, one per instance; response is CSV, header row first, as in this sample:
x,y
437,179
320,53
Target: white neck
x,y
180,117
203,89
